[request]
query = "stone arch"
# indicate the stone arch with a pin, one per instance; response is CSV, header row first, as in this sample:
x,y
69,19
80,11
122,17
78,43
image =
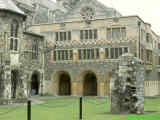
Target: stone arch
x,y
35,83
62,84
107,83
89,83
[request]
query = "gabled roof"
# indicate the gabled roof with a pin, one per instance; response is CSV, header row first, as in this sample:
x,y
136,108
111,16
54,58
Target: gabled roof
x,y
10,6
101,11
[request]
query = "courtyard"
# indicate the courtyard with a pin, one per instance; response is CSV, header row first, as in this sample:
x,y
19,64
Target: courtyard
x,y
67,108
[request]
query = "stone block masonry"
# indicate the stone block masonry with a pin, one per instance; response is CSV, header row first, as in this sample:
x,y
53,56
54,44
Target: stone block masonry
x,y
127,86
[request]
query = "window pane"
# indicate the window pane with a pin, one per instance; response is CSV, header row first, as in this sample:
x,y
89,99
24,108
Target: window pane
x,y
59,55
86,34
116,52
61,36
123,33
84,54
55,56
106,53
120,51
97,53
56,36
90,34
62,54
66,54
71,54
116,33
108,33
88,53
64,35
92,53
11,44
125,50
95,33
79,55
69,35
81,34
112,53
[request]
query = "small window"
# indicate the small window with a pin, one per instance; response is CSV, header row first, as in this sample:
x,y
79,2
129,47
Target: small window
x,y
88,53
97,53
112,53
61,36
106,53
63,54
81,34
71,54
92,53
66,54
120,51
86,34
57,36
59,55
79,54
123,33
35,50
14,35
69,35
95,34
116,53
65,36
90,34
108,33
84,54
55,55
116,33
125,50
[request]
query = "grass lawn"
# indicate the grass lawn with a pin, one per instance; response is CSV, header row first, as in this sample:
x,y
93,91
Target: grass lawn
x,y
68,109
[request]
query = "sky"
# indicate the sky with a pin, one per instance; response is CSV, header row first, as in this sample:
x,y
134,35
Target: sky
x,y
148,10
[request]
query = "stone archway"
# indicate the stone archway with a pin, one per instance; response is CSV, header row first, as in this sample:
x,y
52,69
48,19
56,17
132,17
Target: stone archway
x,y
14,83
35,83
64,84
89,84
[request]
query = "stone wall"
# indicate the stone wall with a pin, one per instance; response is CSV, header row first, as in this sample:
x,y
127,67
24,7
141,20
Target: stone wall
x,y
127,86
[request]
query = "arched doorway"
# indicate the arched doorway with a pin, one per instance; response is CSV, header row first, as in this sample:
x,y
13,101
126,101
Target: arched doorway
x,y
90,84
64,84
35,82
14,83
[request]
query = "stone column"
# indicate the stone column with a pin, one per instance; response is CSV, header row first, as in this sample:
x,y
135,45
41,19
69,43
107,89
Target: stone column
x,y
102,54
75,55
101,88
74,88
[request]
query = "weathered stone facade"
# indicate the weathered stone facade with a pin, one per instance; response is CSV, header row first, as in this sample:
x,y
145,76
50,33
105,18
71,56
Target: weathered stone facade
x,y
127,86
84,39
17,65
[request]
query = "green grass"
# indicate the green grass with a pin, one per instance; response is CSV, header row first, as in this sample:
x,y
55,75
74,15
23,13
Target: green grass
x,y
68,109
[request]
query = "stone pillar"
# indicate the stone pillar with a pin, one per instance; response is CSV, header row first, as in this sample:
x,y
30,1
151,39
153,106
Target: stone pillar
x,y
75,55
101,88
74,88
127,86
102,54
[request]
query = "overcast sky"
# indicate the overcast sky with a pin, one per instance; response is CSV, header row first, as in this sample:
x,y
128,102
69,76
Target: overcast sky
x,y
148,10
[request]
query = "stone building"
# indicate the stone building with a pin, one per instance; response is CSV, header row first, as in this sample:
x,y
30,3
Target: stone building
x,y
89,37
83,40
21,54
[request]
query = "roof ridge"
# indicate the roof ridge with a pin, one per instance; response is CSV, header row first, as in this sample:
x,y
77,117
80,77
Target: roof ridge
x,y
10,6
